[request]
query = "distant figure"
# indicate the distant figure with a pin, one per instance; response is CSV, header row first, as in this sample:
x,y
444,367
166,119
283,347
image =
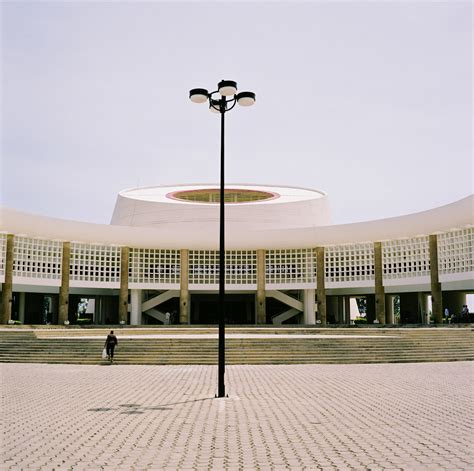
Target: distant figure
x,y
446,313
167,318
110,343
465,313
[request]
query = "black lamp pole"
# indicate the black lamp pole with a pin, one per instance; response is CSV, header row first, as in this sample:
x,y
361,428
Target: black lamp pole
x,y
225,88
221,373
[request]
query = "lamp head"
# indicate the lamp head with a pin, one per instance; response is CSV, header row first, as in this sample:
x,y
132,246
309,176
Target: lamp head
x,y
227,87
198,95
246,98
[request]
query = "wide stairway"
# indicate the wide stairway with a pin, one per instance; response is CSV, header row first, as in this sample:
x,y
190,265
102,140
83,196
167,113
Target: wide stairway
x,y
258,345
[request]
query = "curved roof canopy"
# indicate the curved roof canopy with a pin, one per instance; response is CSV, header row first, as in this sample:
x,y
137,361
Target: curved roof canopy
x,y
187,231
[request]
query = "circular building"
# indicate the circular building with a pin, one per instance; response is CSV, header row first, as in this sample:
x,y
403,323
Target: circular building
x,y
248,207
285,261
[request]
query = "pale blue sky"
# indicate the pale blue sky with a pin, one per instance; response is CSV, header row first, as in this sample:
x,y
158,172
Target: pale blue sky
x,y
369,101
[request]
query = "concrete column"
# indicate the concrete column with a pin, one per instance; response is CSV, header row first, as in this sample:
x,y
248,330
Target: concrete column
x,y
340,310
436,293
389,314
423,306
309,305
63,313
123,295
136,307
7,288
261,301
379,289
184,298
320,285
21,307
54,308
347,310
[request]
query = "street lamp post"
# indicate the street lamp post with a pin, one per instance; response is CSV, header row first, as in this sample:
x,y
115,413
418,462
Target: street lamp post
x,y
221,101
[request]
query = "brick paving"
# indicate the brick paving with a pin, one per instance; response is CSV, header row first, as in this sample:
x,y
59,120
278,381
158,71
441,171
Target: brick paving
x,y
304,417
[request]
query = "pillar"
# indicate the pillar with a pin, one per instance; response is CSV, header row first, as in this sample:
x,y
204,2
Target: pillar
x,y
389,312
21,307
136,307
320,285
423,306
309,305
436,294
123,295
7,288
379,289
63,314
184,304
347,310
261,302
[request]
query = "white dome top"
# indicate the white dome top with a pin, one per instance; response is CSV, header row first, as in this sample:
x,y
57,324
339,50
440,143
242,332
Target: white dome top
x,y
248,207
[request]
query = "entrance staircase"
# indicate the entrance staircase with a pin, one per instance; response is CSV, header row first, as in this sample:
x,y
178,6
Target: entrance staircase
x,y
199,345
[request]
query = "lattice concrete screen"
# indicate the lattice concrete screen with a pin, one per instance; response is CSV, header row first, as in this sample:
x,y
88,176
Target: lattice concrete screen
x,y
240,269
96,264
37,258
154,266
455,251
406,258
290,266
349,263
3,256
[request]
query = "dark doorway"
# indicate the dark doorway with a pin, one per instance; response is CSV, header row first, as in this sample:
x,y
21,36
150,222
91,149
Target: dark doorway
x,y
239,308
40,308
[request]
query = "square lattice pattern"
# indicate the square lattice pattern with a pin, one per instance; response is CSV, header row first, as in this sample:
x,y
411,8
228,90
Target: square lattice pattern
x,y
455,251
290,266
154,266
354,262
37,258
3,255
406,258
240,267
95,263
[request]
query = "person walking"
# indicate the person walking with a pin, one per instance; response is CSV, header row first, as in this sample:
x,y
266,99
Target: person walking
x,y
110,343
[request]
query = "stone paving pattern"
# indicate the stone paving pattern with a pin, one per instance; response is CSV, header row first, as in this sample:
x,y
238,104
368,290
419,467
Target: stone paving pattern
x,y
367,417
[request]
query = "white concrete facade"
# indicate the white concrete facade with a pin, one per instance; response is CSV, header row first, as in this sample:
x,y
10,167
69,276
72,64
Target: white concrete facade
x,y
288,226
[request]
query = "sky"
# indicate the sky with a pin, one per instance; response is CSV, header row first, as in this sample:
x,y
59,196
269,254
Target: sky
x,y
369,101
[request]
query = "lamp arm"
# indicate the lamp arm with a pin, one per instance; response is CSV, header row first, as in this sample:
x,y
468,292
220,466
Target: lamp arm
x,y
213,107
233,101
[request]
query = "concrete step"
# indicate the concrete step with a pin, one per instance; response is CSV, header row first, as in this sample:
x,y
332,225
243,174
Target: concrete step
x,y
387,346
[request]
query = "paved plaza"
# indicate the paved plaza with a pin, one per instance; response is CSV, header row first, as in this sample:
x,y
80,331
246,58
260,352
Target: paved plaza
x,y
387,416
